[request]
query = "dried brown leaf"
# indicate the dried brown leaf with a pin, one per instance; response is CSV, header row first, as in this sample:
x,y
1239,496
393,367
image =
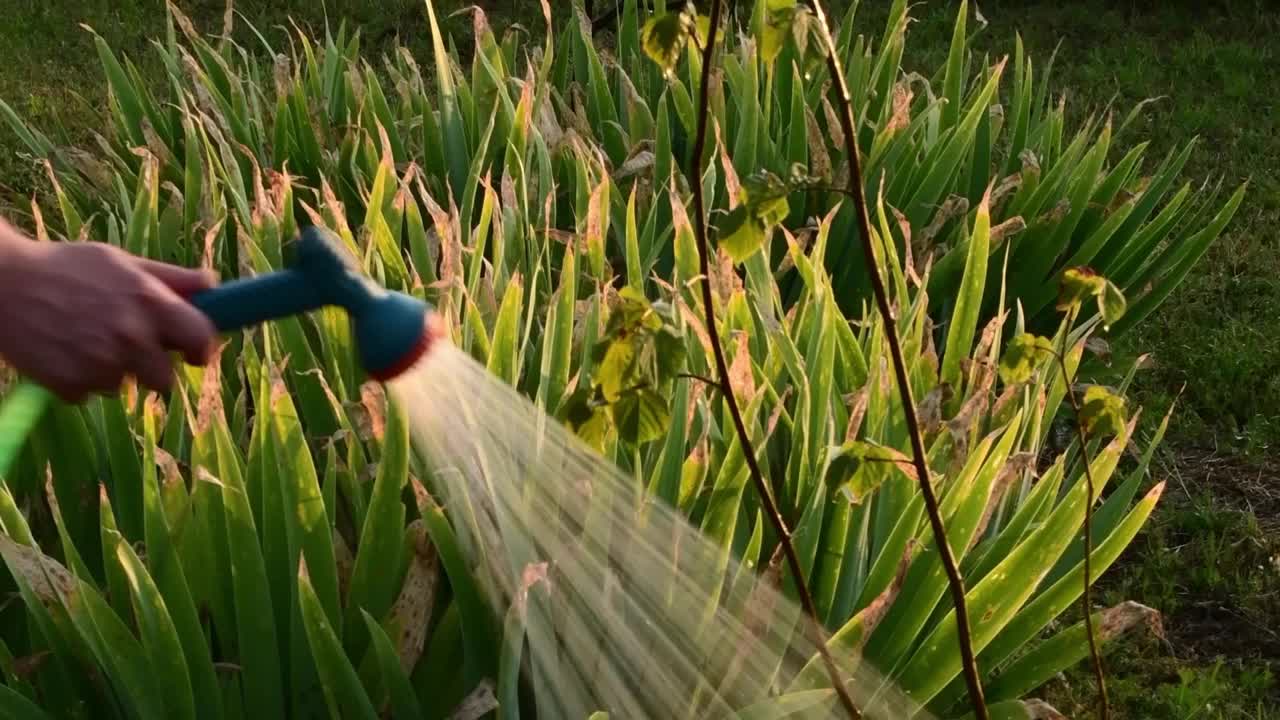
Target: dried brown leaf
x,y
1007,229
476,705
1122,618
1041,710
731,182
741,376
857,403
901,118
953,207
819,157
210,403
412,609
52,583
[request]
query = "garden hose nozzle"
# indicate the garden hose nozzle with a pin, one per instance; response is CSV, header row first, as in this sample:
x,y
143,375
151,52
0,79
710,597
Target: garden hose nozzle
x,y
391,328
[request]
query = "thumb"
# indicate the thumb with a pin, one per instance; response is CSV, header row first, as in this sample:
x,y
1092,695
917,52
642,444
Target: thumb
x,y
183,281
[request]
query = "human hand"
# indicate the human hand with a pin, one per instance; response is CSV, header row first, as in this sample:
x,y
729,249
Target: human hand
x,y
80,317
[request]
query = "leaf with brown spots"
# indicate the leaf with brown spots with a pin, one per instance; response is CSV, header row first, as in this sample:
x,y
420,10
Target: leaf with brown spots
x,y
477,704
51,583
411,612
741,376
857,403
901,118
374,401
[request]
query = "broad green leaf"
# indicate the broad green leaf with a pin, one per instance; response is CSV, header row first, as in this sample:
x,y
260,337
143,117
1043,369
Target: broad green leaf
x,y
159,636
403,701
339,682
964,321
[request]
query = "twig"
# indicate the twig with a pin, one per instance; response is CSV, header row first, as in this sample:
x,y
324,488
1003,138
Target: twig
x,y
702,379
1104,708
955,580
722,367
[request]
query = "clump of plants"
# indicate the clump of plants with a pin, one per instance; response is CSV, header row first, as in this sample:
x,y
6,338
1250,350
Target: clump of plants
x,y
710,337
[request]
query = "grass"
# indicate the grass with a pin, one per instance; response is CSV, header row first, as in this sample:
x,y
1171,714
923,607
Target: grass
x,y
1210,560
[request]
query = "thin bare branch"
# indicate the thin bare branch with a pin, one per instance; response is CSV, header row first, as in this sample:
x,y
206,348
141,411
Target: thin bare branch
x,y
955,580
1086,601
722,369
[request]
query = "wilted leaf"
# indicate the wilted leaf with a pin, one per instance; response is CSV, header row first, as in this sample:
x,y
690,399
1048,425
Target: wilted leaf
x,y
741,378
1103,411
479,703
901,117
1099,347
1122,618
411,613
1025,351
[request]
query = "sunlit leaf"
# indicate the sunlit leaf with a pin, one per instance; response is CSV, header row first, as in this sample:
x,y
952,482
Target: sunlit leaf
x,y
1079,284
780,16
741,233
1102,412
1112,304
1020,359
853,455
664,37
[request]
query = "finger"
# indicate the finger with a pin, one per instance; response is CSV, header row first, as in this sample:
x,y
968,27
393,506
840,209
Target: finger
x,y
183,281
154,369
182,328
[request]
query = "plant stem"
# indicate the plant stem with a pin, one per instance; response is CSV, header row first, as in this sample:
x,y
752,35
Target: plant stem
x,y
722,368
1104,709
955,580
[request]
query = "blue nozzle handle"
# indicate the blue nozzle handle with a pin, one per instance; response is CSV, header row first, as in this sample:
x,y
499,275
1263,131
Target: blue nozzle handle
x,y
390,327
251,301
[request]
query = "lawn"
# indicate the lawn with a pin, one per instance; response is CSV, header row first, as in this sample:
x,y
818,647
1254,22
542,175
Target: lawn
x,y
1210,560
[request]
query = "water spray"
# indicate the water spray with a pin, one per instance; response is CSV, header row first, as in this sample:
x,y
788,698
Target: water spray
x,y
624,605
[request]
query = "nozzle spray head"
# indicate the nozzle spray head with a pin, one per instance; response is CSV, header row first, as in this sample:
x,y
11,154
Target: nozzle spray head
x,y
392,330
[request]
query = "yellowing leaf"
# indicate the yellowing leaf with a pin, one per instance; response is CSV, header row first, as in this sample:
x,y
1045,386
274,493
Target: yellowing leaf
x,y
641,416
1103,411
1025,351
664,37
741,234
779,17
1111,304
616,369
1079,284
851,456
